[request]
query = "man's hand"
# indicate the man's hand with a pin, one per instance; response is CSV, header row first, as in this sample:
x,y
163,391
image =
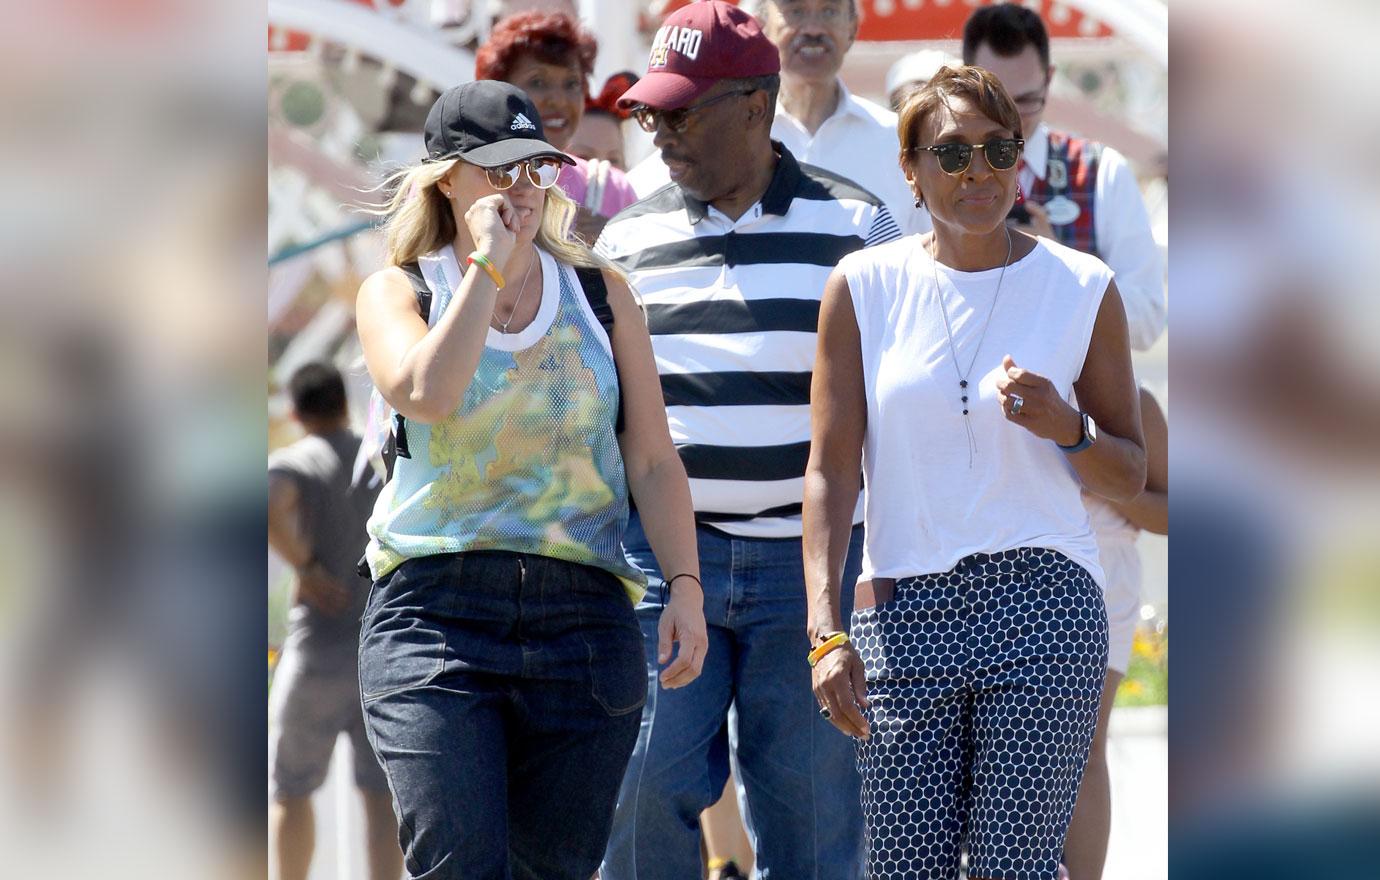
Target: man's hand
x,y
322,590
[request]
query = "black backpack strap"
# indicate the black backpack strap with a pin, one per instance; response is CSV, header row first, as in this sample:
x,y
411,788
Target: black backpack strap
x,y
419,286
396,444
597,294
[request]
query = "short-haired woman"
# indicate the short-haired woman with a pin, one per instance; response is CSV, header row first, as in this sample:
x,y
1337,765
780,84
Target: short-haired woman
x,y
945,368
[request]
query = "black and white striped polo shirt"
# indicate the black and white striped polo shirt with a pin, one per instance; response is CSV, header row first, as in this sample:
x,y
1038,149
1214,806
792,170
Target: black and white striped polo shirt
x,y
733,308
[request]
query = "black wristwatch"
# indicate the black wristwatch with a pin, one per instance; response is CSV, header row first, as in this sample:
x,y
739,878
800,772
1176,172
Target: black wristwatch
x,y
1089,435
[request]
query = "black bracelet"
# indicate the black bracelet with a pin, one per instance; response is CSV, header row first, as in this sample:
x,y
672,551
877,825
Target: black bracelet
x,y
666,584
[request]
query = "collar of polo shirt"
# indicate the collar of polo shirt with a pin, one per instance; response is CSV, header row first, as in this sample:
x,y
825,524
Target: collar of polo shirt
x,y
776,200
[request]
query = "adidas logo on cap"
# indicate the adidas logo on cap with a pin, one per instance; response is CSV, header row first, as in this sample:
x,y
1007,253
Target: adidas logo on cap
x,y
522,123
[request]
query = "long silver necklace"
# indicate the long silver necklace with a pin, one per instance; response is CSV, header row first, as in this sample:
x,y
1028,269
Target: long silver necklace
x,y
503,325
948,331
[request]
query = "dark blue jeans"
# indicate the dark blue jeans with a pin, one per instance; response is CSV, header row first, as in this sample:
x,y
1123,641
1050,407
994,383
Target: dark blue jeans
x,y
502,694
803,806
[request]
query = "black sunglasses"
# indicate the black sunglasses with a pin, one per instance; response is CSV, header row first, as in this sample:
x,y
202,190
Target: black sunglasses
x,y
676,120
1001,154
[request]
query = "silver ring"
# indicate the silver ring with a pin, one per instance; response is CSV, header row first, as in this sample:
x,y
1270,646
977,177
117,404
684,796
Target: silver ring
x,y
1016,403
824,713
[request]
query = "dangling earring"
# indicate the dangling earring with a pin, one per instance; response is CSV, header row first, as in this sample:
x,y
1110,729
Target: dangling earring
x,y
917,202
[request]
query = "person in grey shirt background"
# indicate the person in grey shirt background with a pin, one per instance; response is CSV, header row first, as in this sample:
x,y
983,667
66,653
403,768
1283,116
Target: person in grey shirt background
x,y
316,521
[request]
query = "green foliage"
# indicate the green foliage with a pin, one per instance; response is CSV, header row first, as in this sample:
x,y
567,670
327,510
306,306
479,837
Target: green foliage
x,y
1147,678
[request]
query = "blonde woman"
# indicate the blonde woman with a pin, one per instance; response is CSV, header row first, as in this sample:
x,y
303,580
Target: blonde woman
x,y
501,666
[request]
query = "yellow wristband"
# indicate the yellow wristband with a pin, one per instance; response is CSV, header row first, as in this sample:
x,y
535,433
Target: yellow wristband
x,y
488,266
837,640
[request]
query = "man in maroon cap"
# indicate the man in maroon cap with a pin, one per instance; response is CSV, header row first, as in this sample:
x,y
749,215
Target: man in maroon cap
x,y
817,117
730,259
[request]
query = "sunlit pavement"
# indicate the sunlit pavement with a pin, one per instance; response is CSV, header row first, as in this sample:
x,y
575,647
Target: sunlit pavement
x,y
1138,752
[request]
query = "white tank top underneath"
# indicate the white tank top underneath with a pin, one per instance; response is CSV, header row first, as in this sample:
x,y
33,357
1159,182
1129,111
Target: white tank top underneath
x,y
926,507
1117,552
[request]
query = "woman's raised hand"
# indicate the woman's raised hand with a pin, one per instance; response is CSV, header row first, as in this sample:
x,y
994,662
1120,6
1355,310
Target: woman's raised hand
x,y
493,225
1031,401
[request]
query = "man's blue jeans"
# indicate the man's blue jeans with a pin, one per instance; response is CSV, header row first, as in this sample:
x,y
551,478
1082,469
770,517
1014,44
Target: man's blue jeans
x,y
501,694
803,813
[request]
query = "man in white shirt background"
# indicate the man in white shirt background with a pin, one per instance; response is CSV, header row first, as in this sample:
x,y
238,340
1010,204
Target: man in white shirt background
x,y
817,118
1011,42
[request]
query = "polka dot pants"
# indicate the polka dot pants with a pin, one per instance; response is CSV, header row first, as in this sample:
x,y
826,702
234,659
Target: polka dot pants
x,y
984,683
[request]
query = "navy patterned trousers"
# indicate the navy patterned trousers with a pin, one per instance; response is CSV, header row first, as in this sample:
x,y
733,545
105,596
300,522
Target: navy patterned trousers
x,y
983,685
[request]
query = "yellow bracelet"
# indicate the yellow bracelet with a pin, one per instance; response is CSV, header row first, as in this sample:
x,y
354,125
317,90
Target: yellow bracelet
x,y
487,265
837,640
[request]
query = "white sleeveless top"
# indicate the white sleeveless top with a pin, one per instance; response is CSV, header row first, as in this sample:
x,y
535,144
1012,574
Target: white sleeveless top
x,y
926,507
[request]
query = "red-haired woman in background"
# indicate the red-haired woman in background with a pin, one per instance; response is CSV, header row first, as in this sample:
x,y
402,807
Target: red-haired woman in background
x,y
550,56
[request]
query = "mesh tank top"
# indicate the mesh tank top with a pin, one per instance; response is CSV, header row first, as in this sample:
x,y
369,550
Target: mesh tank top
x,y
529,462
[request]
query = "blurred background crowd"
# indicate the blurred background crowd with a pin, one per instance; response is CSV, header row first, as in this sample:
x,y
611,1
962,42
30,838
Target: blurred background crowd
x,y
143,190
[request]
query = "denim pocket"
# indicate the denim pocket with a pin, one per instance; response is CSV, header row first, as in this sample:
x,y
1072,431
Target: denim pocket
x,y
614,644
402,644
618,670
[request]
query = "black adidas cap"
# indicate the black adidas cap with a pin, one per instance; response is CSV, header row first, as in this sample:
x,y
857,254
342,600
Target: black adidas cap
x,y
486,123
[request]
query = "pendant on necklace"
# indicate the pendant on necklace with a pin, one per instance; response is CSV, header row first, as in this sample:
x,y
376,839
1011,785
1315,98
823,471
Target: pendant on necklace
x,y
949,335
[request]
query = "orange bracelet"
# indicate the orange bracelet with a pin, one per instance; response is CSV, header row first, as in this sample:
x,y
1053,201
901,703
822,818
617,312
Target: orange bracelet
x,y
837,640
483,262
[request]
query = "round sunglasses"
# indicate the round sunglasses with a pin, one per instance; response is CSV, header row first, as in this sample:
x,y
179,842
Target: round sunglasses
x,y
542,172
1001,154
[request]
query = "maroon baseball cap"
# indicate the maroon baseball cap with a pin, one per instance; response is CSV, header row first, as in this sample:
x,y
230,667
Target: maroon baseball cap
x,y
697,46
